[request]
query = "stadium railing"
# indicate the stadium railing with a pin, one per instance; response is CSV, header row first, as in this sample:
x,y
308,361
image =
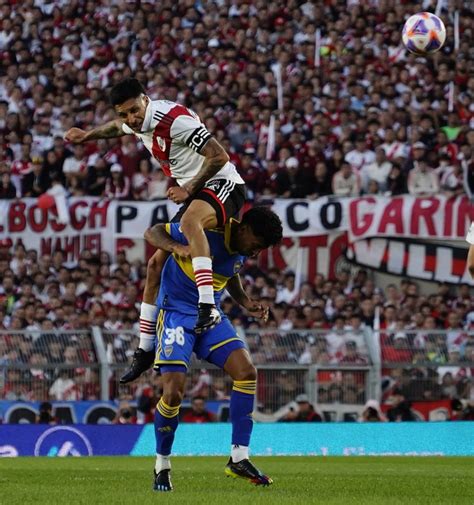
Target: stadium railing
x,y
338,377
427,365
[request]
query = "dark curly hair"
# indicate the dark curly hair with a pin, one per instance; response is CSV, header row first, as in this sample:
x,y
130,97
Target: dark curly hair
x,y
264,223
126,89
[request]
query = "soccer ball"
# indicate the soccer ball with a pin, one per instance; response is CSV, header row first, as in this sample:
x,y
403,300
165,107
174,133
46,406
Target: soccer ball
x,y
424,33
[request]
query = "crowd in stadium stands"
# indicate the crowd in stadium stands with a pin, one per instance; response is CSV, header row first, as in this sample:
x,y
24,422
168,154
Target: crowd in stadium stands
x,y
329,319
371,119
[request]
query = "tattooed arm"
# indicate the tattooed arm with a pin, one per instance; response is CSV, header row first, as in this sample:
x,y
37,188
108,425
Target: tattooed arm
x,y
216,158
108,130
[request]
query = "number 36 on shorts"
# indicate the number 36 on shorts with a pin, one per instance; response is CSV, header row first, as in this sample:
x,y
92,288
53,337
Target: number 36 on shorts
x,y
174,335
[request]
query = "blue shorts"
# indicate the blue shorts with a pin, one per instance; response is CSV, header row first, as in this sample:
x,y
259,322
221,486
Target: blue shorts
x,y
176,341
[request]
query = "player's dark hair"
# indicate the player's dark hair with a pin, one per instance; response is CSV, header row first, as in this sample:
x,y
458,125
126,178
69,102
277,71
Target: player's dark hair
x,y
126,89
265,224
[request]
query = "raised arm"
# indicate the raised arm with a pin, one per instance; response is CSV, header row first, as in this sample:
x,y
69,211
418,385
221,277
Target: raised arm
x,y
237,292
158,237
109,130
216,158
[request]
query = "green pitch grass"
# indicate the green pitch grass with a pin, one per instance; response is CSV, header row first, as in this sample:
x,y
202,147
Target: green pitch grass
x,y
297,480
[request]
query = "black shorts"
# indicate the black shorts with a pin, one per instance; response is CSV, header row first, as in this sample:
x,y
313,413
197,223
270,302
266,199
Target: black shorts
x,y
224,196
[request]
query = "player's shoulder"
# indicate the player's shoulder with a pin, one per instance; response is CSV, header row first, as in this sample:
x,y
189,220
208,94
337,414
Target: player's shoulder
x,y
169,109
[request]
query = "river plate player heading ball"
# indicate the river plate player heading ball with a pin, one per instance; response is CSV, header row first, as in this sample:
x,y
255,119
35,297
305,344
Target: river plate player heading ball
x,y
208,184
259,229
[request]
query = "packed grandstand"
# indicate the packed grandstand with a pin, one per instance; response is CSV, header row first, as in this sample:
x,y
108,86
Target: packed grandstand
x,y
366,119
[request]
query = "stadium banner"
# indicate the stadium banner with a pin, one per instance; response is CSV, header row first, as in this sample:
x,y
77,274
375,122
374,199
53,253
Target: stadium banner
x,y
434,218
213,439
429,261
316,231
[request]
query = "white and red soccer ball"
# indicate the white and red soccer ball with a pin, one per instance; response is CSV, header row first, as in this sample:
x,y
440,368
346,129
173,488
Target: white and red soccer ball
x,y
424,33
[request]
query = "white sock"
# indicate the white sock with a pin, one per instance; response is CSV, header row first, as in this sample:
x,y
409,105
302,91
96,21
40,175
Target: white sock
x,y
239,452
148,316
202,267
162,463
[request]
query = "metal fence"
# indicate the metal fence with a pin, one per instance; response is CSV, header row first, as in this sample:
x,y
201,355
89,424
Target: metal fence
x,y
427,364
338,369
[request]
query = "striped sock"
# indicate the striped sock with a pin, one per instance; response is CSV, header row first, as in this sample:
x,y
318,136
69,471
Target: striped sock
x,y
148,316
202,267
241,408
166,423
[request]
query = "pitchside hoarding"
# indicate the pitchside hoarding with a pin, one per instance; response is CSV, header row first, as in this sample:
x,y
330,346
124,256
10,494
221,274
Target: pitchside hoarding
x,y
289,439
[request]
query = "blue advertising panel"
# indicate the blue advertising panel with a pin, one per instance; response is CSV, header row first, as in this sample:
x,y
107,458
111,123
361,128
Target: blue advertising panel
x,y
325,439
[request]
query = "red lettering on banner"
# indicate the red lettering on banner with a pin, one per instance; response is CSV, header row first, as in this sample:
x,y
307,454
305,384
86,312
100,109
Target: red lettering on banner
x,y
312,243
71,247
45,246
448,217
392,216
354,218
77,222
98,209
93,242
465,216
56,225
37,226
278,260
337,249
16,217
427,213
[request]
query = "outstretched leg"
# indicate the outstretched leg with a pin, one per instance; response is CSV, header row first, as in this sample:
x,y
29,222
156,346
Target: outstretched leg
x,y
144,356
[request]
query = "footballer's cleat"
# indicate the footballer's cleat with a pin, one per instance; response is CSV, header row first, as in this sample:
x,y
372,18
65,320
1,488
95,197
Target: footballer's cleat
x,y
246,470
162,481
208,318
142,361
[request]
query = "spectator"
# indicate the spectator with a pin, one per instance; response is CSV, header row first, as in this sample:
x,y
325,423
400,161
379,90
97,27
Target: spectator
x,y
346,182
198,412
45,415
452,181
360,157
292,181
117,185
321,182
377,171
396,181
124,415
305,412
423,180
8,190
372,413
76,164
64,387
97,176
37,181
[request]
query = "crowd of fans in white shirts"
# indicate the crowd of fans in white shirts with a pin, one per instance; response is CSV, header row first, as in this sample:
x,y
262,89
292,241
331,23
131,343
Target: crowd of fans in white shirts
x,y
371,118
325,322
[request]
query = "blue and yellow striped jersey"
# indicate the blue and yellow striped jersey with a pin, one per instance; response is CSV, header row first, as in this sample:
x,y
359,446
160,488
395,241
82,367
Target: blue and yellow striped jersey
x,y
178,290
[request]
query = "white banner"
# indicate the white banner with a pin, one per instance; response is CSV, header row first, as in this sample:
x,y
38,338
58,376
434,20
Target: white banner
x,y
95,224
317,233
436,218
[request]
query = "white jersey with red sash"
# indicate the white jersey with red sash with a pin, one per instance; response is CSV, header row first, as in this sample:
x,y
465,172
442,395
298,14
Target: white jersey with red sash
x,y
175,136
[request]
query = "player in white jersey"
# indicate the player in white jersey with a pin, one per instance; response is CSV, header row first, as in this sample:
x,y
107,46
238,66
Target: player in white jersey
x,y
470,254
208,184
